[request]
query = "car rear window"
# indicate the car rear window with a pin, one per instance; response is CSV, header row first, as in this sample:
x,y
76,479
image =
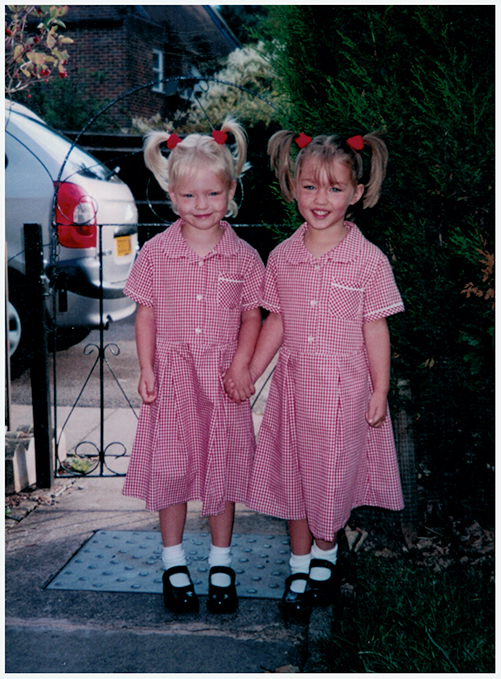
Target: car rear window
x,y
58,146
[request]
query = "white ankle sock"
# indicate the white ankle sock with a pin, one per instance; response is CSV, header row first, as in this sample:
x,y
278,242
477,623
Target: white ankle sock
x,y
318,572
174,556
299,564
220,556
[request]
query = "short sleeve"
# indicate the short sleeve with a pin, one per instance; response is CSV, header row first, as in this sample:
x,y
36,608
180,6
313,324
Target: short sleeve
x,y
270,299
381,295
139,286
252,283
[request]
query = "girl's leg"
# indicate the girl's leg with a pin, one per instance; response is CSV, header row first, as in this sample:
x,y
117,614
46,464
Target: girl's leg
x,y
172,520
325,546
301,538
221,528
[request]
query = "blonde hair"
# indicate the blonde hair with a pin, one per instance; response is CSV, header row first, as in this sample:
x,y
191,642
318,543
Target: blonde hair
x,y
194,150
324,149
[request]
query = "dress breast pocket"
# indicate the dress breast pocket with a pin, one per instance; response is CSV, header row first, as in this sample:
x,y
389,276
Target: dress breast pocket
x,y
229,291
345,300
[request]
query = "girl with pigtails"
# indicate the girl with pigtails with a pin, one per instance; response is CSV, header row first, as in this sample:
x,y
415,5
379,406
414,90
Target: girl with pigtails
x,y
325,444
197,287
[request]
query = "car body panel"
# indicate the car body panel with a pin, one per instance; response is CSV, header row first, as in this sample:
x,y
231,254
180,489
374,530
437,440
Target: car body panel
x,y
36,159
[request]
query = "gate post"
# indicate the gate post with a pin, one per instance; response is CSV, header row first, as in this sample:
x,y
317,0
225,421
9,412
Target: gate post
x,y
39,367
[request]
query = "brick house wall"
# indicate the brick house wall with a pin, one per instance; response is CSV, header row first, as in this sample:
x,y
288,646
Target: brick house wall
x,y
113,48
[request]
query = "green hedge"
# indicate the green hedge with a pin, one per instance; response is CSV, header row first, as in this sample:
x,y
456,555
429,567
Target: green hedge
x,y
424,75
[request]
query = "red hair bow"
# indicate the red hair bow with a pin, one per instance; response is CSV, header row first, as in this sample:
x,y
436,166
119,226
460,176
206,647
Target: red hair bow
x,y
356,143
219,136
173,140
302,140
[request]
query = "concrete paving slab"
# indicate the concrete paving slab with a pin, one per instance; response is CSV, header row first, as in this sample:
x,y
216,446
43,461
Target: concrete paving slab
x,y
131,561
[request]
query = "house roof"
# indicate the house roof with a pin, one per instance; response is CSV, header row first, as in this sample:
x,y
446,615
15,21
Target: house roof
x,y
199,28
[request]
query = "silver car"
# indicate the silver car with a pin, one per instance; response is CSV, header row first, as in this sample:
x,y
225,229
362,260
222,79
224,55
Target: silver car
x,y
90,198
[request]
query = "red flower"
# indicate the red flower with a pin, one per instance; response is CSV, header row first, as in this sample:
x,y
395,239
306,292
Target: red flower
x,y
63,74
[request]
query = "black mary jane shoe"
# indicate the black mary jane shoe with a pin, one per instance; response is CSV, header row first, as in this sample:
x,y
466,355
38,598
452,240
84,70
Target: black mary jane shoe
x,y
324,592
295,604
179,599
222,599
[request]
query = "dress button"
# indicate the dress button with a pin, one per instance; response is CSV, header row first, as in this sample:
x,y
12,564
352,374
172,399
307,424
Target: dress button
x,y
313,302
199,297
311,339
198,330
317,267
201,262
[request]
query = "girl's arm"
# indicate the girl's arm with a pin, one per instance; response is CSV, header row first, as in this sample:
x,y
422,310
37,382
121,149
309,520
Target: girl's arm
x,y
377,342
237,379
145,346
269,342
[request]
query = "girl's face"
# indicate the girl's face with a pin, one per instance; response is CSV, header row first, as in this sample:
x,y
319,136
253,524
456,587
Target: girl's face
x,y
323,198
202,198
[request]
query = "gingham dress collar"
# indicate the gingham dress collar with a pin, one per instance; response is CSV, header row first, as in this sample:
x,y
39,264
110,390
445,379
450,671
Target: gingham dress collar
x,y
174,245
345,252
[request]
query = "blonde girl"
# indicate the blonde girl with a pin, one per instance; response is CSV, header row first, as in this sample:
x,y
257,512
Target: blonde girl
x,y
197,288
325,445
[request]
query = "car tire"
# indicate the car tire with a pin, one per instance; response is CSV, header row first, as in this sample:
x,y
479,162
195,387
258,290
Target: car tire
x,y
20,303
22,331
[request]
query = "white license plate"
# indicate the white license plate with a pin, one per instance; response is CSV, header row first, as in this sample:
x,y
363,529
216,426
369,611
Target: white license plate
x,y
123,245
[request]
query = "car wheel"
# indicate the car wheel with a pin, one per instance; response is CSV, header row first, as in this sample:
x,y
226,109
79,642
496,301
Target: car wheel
x,y
14,325
21,332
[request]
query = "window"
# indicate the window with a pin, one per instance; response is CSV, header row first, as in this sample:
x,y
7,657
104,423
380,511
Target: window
x,y
158,71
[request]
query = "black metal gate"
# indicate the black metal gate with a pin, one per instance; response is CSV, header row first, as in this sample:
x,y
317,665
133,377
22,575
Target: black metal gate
x,y
89,458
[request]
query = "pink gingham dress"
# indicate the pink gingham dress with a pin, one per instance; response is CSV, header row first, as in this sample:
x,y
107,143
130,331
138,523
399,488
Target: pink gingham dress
x,y
193,443
317,458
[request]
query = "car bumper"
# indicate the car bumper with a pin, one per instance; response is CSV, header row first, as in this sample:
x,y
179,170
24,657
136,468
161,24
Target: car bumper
x,y
82,276
84,312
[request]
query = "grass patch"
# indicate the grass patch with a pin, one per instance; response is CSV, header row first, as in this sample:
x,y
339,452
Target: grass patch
x,y
406,618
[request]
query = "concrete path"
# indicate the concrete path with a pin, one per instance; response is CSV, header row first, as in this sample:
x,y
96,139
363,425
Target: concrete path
x,y
52,631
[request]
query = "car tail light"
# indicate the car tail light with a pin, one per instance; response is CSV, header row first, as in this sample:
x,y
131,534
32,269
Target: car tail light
x,y
75,217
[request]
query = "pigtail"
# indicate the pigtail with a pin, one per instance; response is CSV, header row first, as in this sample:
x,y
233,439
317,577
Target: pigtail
x,y
240,155
279,150
154,159
378,168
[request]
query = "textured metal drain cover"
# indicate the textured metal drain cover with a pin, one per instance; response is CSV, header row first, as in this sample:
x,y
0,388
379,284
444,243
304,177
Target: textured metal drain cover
x,y
131,561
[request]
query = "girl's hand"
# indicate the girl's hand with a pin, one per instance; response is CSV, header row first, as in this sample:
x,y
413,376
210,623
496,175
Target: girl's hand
x,y
147,387
376,414
238,383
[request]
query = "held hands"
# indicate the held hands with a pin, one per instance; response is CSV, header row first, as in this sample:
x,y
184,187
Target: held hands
x,y
376,414
147,387
238,383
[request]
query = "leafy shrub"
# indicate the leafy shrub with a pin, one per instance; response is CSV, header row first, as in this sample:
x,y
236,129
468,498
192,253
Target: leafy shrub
x,y
424,75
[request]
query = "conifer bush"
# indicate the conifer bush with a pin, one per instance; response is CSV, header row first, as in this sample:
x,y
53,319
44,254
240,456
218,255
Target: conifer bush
x,y
424,75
